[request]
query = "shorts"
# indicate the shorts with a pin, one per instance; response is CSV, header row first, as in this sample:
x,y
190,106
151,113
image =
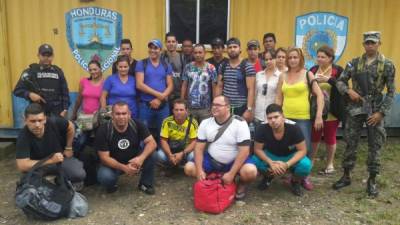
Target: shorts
x,y
211,165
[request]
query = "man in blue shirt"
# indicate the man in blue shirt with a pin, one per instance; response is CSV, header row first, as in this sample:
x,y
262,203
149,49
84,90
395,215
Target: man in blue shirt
x,y
154,81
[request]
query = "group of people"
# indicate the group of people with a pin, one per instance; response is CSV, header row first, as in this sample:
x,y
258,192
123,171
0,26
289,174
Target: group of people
x,y
177,109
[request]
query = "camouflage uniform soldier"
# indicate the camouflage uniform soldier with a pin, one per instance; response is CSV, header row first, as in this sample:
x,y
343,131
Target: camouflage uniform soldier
x,y
369,74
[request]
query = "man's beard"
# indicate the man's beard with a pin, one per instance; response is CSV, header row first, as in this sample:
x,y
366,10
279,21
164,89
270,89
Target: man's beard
x,y
234,55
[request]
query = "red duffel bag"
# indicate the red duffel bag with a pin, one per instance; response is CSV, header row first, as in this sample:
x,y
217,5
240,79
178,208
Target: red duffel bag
x,y
212,196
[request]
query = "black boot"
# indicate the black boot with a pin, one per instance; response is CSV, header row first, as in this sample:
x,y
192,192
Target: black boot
x,y
343,181
372,188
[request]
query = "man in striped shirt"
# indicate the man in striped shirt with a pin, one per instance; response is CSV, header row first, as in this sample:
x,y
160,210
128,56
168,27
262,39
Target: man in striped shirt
x,y
236,80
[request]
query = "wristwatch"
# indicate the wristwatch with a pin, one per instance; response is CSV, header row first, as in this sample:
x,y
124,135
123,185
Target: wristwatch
x,y
250,109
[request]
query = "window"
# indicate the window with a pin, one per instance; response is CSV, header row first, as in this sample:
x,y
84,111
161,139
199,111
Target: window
x,y
199,20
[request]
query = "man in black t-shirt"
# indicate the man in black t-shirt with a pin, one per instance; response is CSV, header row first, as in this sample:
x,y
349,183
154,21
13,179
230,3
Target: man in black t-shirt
x,y
279,147
218,47
44,136
119,145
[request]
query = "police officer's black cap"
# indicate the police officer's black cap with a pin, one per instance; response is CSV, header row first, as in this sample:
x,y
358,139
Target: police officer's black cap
x,y
217,42
45,49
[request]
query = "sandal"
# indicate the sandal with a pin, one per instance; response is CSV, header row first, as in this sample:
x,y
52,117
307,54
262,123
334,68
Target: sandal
x,y
241,192
327,171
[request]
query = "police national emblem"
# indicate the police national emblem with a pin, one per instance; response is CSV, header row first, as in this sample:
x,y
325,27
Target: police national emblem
x,y
94,33
316,29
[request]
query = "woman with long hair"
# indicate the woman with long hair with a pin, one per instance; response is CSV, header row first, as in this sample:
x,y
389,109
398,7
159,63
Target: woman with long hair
x,y
326,73
293,94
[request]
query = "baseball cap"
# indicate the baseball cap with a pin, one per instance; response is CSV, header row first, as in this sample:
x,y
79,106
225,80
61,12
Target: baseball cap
x,y
233,41
374,36
253,43
45,49
217,42
155,42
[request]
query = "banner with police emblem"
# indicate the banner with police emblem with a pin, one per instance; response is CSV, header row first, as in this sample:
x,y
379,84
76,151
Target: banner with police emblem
x,y
94,33
316,29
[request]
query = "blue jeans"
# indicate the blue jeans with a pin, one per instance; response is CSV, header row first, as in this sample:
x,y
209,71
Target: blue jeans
x,y
301,169
80,141
305,126
162,158
108,177
153,118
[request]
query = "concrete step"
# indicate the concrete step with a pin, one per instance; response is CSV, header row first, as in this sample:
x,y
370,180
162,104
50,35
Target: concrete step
x,y
6,149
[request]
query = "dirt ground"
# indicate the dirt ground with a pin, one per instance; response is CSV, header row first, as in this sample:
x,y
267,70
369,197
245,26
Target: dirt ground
x,y
173,203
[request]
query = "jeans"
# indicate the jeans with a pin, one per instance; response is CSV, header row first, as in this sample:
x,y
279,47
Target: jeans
x,y
71,167
108,177
162,158
153,118
305,126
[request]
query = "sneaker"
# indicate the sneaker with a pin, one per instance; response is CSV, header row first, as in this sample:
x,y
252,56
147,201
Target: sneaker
x,y
112,189
147,189
265,183
296,188
306,183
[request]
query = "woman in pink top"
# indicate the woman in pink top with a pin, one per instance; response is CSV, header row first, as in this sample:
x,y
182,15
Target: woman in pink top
x,y
89,91
88,101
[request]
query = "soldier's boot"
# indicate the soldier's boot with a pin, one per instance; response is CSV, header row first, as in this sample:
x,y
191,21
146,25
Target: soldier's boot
x,y
372,188
343,181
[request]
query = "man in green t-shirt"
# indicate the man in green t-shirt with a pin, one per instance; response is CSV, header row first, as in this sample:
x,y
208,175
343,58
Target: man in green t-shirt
x,y
178,138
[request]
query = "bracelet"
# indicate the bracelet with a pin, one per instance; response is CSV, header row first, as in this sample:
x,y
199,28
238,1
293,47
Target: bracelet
x,y
68,148
287,164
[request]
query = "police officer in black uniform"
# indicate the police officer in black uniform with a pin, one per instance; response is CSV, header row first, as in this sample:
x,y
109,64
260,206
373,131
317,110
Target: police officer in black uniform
x,y
45,83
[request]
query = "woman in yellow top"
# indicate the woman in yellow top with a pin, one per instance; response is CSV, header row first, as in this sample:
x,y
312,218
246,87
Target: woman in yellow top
x,y
293,95
326,73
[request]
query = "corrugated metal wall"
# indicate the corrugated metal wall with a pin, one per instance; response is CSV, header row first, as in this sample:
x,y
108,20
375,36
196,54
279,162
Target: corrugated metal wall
x,y
25,24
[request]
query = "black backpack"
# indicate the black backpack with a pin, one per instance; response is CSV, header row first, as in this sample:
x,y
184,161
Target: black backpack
x,y
41,199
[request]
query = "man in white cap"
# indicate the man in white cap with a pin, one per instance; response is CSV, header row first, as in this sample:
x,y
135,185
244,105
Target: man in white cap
x,y
369,74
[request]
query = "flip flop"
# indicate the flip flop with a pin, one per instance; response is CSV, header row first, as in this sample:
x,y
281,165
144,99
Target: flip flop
x,y
241,193
327,171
